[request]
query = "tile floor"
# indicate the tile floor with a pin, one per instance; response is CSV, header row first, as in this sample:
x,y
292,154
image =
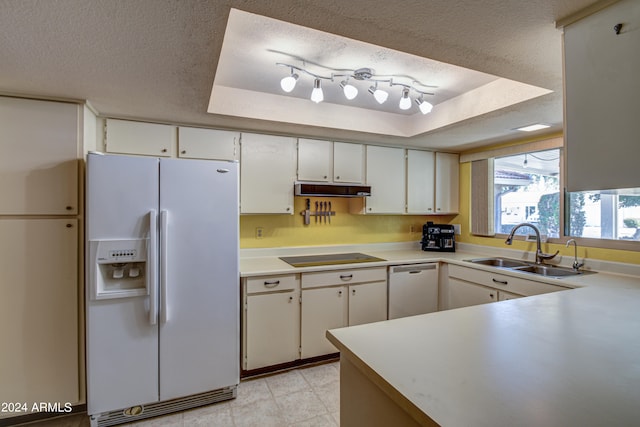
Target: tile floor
x,y
303,397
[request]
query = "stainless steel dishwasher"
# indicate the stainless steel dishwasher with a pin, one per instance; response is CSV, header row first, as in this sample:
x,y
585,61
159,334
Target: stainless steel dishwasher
x,y
413,289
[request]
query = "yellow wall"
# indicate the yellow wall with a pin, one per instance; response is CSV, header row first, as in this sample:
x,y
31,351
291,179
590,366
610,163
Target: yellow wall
x,y
345,228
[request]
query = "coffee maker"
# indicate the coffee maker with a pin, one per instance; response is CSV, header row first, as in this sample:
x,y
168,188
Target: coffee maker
x,y
438,237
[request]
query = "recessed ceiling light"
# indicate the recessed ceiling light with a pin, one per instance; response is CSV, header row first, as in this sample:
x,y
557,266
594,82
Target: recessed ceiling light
x,y
533,127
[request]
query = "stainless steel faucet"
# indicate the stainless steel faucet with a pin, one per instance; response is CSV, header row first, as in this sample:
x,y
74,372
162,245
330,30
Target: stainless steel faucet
x,y
540,256
576,264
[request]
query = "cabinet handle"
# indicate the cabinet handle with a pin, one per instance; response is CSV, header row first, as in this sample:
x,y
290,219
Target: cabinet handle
x,y
290,299
164,150
346,276
69,225
288,208
324,177
339,293
353,291
491,295
183,152
271,284
502,282
337,177
69,208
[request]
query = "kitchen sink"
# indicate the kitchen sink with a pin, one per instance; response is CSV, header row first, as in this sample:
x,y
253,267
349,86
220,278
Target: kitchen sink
x,y
499,262
550,271
529,267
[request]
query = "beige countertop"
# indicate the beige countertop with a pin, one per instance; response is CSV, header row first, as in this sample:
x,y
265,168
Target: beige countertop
x,y
567,358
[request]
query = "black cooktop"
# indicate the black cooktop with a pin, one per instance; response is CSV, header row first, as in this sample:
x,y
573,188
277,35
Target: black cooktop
x,y
329,259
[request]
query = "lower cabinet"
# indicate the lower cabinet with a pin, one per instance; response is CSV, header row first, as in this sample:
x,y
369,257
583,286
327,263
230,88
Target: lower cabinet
x,y
271,321
335,299
470,286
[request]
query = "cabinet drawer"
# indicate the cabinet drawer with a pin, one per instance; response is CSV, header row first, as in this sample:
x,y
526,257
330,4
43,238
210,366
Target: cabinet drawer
x,y
271,283
342,277
503,282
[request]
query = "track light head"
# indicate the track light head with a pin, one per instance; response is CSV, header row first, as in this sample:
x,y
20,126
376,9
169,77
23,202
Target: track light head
x,y
405,101
288,83
424,106
350,91
316,94
380,95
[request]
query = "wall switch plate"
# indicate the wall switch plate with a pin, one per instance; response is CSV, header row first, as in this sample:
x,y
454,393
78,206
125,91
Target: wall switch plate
x,y
259,232
457,229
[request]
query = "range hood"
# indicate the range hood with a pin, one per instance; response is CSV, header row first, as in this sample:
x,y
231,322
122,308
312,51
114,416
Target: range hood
x,y
326,189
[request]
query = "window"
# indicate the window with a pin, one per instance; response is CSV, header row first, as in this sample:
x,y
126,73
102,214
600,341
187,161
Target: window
x,y
605,214
526,188
523,183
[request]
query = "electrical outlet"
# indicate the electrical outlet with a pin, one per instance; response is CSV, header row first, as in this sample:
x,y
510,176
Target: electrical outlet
x,y
457,229
259,232
412,228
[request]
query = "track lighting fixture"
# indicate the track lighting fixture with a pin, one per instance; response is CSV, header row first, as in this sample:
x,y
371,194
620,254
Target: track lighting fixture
x,y
316,94
410,86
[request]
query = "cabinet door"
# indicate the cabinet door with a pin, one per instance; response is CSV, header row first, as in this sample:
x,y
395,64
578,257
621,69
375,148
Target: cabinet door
x,y
386,176
210,144
267,173
148,139
447,191
39,164
463,294
322,309
348,162
39,310
367,303
420,182
272,329
504,296
315,160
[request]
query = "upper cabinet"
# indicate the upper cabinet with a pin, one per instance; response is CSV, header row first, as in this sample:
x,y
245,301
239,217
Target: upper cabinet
x,y
147,139
153,139
602,99
211,144
267,174
420,182
39,166
447,179
348,162
315,160
328,161
386,176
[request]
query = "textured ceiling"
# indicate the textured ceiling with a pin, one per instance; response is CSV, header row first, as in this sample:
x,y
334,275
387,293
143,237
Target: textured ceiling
x,y
156,60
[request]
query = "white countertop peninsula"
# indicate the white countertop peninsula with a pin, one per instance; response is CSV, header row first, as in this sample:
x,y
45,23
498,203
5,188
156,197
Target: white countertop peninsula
x,y
561,359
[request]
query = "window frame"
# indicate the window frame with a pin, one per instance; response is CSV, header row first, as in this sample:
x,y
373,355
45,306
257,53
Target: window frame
x,y
532,147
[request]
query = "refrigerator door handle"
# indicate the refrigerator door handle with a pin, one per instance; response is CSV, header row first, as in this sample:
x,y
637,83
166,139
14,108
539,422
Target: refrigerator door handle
x,y
152,281
164,235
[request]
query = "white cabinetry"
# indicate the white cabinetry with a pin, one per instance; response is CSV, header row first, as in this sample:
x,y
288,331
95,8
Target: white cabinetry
x,y
39,164
335,299
470,286
447,178
464,294
327,161
348,162
602,99
211,144
149,139
386,176
39,311
267,174
315,160
420,182
271,320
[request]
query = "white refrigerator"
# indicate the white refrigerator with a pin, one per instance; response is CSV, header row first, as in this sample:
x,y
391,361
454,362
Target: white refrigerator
x,y
162,300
